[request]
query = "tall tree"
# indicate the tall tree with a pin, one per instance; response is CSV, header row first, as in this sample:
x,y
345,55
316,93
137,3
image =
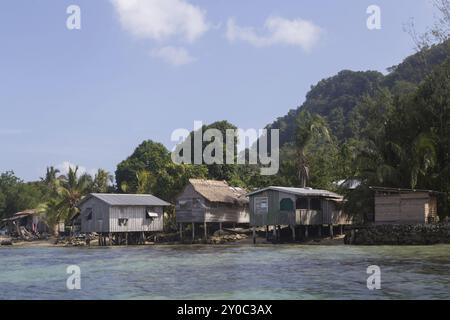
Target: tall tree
x,y
308,126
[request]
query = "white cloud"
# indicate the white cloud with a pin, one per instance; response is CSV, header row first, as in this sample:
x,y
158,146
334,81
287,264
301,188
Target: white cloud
x,y
297,32
161,19
175,56
66,165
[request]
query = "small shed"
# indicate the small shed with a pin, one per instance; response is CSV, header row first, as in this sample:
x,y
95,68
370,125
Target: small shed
x,y
286,206
405,206
124,216
25,224
211,201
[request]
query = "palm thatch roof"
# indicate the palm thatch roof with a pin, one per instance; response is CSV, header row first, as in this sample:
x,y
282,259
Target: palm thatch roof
x,y
219,191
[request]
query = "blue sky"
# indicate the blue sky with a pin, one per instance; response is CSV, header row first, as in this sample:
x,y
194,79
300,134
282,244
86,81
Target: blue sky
x,y
139,69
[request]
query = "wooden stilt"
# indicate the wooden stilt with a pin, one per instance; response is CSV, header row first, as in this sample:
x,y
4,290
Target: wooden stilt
x,y
267,232
293,232
319,231
306,231
254,235
205,230
341,229
274,233
279,233
220,226
331,231
126,238
181,231
193,231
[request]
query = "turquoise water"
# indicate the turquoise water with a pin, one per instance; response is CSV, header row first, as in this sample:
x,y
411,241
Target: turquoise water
x,y
226,272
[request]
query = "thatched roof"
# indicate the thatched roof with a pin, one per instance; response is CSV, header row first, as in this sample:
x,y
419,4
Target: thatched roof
x,y
219,191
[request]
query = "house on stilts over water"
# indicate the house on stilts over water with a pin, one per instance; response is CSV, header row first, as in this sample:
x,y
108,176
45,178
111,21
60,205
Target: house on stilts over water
x,y
210,204
121,218
304,210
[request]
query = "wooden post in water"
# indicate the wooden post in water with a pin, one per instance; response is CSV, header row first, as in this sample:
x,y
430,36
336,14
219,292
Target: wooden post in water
x,y
110,239
342,229
205,230
220,226
193,231
181,231
293,232
320,231
267,233
331,231
306,231
254,235
126,238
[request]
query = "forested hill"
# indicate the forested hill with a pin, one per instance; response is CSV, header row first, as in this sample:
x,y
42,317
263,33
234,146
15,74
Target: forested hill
x,y
337,97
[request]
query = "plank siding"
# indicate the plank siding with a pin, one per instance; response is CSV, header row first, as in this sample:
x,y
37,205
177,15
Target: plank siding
x,y
100,213
404,208
105,218
329,213
137,220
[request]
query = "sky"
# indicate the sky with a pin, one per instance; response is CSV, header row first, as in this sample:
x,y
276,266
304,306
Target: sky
x,y
139,69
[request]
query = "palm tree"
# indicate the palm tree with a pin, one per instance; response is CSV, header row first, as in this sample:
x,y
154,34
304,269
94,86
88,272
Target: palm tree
x,y
309,126
144,181
51,180
102,181
72,189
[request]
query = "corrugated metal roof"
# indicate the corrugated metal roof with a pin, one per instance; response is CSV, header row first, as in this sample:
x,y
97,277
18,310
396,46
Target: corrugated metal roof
x,y
307,192
128,199
400,190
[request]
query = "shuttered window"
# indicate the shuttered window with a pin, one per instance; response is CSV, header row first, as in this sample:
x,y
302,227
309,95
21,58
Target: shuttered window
x,y
261,205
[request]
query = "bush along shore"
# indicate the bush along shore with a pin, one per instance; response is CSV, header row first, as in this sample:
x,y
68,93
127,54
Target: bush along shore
x,y
398,234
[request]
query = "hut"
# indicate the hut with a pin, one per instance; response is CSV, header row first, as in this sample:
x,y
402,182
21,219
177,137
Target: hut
x,y
298,208
405,206
211,202
26,224
121,218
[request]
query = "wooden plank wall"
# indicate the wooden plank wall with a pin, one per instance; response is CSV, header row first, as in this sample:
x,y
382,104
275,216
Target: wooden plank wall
x,y
329,214
406,208
190,214
137,219
100,216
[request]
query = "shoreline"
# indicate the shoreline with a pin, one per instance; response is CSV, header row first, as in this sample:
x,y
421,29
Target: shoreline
x,y
50,243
